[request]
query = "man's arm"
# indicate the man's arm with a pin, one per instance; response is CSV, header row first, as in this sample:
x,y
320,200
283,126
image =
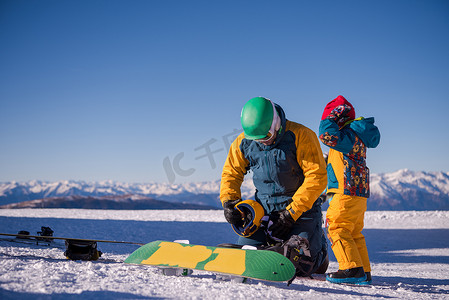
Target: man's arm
x,y
234,170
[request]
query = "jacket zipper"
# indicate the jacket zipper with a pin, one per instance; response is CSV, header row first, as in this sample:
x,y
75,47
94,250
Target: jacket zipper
x,y
269,177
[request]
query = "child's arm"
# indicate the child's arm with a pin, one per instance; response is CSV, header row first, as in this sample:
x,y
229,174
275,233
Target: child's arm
x,y
330,133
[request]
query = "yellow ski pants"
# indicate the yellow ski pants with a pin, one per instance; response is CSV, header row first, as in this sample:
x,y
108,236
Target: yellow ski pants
x,y
344,220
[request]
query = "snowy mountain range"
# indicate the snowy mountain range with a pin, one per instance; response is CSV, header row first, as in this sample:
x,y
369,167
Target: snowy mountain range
x,y
400,190
203,193
129,202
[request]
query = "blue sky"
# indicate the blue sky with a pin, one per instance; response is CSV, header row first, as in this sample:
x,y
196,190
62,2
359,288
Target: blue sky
x,y
139,91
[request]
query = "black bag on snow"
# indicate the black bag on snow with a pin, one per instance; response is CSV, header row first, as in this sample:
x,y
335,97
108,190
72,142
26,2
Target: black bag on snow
x,y
81,250
45,231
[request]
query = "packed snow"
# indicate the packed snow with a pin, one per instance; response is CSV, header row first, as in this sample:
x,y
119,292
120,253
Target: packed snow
x,y
409,252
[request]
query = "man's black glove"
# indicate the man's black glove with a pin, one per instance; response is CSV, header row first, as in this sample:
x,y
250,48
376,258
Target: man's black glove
x,y
282,223
232,215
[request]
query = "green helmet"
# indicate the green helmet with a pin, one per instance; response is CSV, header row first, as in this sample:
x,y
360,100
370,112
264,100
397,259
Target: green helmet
x,y
257,117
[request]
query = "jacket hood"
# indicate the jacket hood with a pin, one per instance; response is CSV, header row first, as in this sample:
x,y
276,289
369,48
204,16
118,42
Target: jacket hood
x,y
281,132
367,131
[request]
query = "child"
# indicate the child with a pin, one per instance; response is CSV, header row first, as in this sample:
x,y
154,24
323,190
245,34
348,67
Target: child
x,y
348,187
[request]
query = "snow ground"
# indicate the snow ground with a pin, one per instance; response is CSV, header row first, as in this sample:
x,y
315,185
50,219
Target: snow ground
x,y
409,252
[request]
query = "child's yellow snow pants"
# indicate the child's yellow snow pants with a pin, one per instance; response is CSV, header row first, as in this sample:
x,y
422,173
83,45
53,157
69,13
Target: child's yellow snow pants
x,y
344,219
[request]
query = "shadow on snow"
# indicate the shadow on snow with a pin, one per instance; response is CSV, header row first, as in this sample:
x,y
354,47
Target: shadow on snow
x,y
6,295
384,245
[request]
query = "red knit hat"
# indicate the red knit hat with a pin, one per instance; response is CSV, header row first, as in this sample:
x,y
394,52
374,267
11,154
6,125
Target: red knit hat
x,y
340,100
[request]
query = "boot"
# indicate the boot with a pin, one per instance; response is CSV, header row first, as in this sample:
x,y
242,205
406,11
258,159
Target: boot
x,y
368,280
354,275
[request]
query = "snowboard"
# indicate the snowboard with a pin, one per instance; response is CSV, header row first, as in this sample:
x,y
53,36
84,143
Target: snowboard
x,y
33,242
255,264
49,239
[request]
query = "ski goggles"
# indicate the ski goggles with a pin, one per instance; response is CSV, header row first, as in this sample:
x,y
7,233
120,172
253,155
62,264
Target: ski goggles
x,y
270,136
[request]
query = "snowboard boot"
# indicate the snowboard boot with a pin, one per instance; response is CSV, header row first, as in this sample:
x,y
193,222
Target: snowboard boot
x,y
354,275
368,280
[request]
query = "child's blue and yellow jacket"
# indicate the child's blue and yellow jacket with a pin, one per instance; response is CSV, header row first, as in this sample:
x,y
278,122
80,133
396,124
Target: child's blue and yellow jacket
x,y
289,174
346,169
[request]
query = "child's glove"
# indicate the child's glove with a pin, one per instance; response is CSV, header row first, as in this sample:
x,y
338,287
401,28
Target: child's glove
x,y
340,114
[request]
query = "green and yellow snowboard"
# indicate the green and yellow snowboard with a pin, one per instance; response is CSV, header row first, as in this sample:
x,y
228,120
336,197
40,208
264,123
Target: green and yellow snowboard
x,y
256,264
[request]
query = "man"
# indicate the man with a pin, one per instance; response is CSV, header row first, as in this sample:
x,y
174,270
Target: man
x,y
289,174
